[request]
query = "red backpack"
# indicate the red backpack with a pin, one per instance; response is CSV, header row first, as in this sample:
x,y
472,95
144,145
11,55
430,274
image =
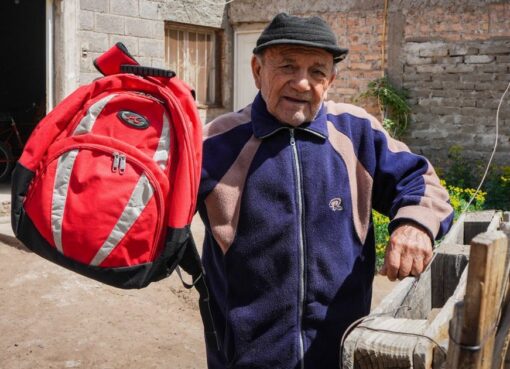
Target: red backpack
x,y
107,183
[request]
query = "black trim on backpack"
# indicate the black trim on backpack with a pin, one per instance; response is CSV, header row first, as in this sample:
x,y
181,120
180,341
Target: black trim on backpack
x,y
138,276
20,180
125,277
124,49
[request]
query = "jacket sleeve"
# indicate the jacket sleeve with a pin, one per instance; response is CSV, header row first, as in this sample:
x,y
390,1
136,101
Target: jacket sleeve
x,y
406,187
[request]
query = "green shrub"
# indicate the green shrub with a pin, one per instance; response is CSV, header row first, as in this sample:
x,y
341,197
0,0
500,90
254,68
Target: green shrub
x,y
467,173
461,171
382,237
460,197
497,186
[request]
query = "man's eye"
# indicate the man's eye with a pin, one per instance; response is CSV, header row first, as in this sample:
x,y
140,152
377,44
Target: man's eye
x,y
287,67
319,73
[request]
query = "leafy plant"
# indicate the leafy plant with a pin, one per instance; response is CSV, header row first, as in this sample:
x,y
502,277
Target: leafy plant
x,y
392,103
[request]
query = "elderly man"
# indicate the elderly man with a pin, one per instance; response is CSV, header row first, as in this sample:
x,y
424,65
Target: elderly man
x,y
288,185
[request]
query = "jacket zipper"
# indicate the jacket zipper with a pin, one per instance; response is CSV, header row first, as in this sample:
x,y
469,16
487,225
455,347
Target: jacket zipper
x,y
302,281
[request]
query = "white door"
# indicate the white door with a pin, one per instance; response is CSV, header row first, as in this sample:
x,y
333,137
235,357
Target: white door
x,y
50,99
244,87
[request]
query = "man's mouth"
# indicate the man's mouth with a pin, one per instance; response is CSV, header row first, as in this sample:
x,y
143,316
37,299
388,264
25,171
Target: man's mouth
x,y
295,100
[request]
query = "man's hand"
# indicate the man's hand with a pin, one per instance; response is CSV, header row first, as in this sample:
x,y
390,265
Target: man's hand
x,y
408,252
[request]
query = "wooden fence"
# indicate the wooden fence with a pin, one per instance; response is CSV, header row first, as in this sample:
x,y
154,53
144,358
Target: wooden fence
x,y
452,316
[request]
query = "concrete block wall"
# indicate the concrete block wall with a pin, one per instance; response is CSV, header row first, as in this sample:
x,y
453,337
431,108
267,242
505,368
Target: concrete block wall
x,y
455,89
456,66
140,25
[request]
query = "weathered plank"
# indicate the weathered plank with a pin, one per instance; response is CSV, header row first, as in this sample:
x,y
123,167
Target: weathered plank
x,y
392,340
477,222
392,304
418,301
482,300
456,233
446,270
455,332
502,342
427,352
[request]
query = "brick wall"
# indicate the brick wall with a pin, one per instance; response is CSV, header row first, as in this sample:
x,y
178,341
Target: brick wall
x,y
139,24
356,30
452,56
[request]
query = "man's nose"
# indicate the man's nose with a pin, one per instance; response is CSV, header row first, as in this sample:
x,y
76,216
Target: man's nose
x,y
301,81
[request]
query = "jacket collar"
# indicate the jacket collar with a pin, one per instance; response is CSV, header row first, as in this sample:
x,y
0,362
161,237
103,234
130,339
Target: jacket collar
x,y
265,124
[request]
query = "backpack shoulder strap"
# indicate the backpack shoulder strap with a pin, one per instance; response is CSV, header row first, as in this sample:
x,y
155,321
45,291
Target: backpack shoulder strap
x,y
192,265
186,155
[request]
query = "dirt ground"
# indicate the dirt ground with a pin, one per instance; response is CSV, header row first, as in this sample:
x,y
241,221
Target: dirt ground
x,y
53,318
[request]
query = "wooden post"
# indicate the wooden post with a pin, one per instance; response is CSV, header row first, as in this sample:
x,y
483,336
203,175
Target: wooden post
x,y
482,300
452,360
502,343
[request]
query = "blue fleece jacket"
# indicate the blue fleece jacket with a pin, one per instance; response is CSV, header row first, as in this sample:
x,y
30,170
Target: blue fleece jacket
x,y
289,248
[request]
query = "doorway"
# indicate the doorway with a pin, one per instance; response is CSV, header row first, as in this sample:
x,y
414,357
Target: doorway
x,y
23,63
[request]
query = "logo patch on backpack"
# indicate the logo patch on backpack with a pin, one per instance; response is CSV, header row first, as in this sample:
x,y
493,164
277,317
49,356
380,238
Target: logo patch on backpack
x,y
133,119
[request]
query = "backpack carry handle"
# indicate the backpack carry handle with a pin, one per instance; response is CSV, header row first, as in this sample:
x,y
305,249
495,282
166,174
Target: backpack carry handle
x,y
118,60
140,70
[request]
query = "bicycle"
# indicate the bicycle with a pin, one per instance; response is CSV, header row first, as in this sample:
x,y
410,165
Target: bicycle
x,y
7,157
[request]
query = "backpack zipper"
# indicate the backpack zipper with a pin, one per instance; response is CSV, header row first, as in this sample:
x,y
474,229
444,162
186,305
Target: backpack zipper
x,y
116,160
146,170
122,163
119,163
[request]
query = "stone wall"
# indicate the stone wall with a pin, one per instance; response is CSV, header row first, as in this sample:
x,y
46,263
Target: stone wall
x,y
140,25
456,65
455,89
452,56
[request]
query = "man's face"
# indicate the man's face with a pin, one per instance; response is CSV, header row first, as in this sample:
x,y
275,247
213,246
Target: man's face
x,y
293,81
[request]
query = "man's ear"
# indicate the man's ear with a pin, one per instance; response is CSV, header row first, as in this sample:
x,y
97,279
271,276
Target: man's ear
x,y
256,69
333,76
330,82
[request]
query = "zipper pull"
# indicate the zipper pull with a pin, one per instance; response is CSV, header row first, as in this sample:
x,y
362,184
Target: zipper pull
x,y
292,139
116,161
122,164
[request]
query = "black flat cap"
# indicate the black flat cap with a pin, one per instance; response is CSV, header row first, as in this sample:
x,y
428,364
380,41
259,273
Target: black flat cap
x,y
312,32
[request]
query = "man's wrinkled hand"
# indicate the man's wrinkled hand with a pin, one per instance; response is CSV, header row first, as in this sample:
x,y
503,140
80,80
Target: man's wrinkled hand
x,y
408,252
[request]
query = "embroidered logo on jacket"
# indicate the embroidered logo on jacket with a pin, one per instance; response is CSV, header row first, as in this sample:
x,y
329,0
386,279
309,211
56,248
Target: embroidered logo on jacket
x,y
133,119
336,204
